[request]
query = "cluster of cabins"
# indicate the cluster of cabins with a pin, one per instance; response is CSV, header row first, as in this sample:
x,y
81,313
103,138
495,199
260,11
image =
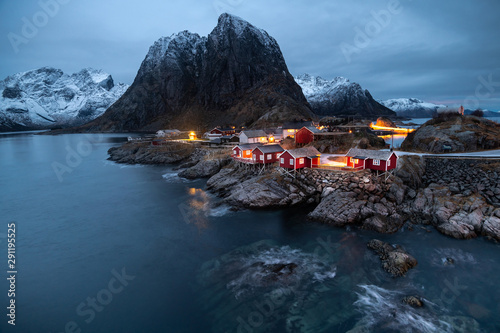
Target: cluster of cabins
x,y
303,133
310,157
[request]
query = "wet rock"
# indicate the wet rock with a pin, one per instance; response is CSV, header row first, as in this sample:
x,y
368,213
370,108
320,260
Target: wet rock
x,y
414,301
491,227
395,260
204,168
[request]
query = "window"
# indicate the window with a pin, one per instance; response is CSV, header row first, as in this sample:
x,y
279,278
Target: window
x,y
376,162
282,160
269,156
301,161
389,162
291,161
262,157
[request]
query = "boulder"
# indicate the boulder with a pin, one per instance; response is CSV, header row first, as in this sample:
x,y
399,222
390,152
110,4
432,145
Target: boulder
x,y
204,168
395,260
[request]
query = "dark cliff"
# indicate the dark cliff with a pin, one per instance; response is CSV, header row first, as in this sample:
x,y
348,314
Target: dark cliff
x,y
237,75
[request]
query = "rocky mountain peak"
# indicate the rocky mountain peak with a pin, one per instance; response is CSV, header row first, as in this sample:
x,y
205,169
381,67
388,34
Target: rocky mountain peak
x,y
237,75
339,97
47,97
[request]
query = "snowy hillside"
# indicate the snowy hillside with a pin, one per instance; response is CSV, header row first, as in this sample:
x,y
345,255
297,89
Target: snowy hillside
x,y
47,97
339,97
412,107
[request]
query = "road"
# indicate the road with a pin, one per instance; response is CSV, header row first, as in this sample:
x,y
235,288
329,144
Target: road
x,y
482,154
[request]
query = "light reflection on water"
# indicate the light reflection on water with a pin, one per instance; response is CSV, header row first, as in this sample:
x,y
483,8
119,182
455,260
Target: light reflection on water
x,y
394,140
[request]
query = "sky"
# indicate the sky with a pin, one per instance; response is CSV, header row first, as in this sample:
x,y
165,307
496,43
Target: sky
x,y
445,51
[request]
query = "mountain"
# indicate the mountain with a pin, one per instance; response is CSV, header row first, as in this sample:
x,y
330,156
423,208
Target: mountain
x,y
412,107
237,75
47,97
486,113
339,97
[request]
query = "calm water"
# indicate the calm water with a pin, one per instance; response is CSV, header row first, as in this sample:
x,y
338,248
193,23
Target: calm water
x,y
188,264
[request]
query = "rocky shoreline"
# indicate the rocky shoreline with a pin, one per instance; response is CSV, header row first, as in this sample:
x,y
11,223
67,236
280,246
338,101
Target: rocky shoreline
x,y
458,197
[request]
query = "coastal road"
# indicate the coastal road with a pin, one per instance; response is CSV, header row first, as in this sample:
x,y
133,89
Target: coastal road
x,y
493,154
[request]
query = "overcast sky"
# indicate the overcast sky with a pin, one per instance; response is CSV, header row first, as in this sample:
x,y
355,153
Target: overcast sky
x,y
445,51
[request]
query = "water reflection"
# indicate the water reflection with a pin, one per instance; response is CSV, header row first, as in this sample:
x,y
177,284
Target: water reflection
x,y
200,206
394,140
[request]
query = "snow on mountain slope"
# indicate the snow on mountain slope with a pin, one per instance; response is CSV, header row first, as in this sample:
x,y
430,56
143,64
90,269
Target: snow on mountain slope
x,y
339,97
47,97
412,107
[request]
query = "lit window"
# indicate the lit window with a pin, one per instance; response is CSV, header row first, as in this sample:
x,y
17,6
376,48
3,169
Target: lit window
x,y
301,161
376,162
356,161
282,160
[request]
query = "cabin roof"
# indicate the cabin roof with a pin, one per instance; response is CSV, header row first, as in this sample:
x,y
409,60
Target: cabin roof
x,y
309,152
364,154
254,133
297,125
267,149
247,146
273,131
223,129
312,129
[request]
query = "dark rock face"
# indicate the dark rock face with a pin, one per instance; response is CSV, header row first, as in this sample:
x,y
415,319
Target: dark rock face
x,y
12,92
141,153
395,260
236,75
204,168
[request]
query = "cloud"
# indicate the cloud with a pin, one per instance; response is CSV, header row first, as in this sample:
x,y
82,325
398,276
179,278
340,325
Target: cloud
x,y
428,49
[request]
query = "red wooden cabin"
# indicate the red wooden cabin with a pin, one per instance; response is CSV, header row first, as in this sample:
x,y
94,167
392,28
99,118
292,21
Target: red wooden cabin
x,y
371,159
307,157
305,135
267,154
223,131
244,150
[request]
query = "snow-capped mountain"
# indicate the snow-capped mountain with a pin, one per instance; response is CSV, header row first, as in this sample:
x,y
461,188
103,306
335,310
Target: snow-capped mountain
x,y
412,107
339,97
236,75
46,97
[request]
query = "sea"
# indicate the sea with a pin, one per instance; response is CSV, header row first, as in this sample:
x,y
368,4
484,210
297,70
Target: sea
x,y
397,139
105,247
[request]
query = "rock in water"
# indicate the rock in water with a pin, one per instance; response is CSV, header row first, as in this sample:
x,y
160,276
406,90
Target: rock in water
x,y
395,260
237,75
414,301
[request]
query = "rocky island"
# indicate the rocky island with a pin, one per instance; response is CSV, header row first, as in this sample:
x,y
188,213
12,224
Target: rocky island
x,y
459,197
